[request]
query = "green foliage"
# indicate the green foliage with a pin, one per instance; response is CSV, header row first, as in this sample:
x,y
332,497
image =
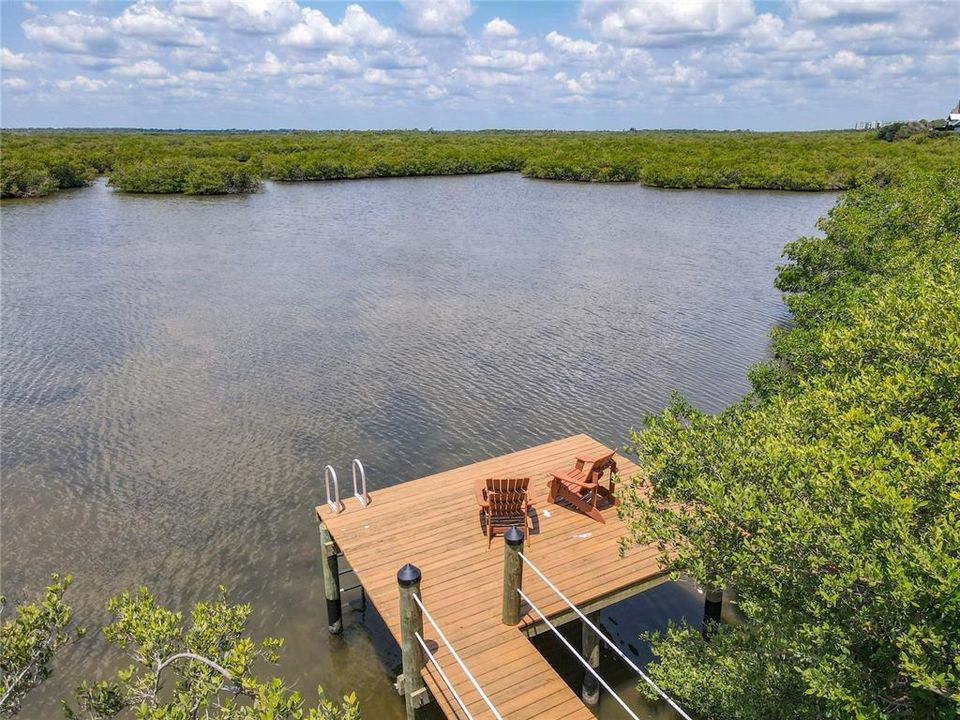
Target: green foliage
x,y
225,162
183,175
223,177
22,179
29,640
204,670
829,498
904,130
168,175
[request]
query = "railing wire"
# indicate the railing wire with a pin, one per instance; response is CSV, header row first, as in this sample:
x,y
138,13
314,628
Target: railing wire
x,y
456,657
646,678
436,664
577,655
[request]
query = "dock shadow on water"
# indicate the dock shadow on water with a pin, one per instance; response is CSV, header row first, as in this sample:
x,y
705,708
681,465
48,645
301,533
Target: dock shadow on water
x,y
177,371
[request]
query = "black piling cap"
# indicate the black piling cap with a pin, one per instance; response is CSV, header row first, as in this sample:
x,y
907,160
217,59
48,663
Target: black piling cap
x,y
408,575
513,536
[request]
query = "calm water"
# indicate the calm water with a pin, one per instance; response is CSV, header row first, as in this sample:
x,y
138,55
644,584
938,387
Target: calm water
x,y
176,372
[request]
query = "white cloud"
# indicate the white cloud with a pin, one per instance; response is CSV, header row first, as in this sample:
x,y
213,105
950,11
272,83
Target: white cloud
x,y
437,17
80,82
489,79
399,55
15,84
206,80
249,16
499,28
396,78
665,22
10,60
571,85
846,60
333,64
769,33
209,58
679,74
71,32
145,20
576,48
142,69
510,60
357,28
820,10
271,65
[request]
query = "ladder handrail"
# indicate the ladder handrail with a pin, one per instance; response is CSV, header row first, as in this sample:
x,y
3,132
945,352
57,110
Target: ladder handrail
x,y
334,504
363,497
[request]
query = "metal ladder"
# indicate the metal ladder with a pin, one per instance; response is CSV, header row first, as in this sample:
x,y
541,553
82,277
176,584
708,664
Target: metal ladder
x,y
360,493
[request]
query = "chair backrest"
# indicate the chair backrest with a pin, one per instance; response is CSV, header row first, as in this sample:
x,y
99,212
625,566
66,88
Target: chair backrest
x,y
507,502
590,468
505,485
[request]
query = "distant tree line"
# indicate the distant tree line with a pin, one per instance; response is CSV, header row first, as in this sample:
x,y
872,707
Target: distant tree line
x,y
35,163
903,130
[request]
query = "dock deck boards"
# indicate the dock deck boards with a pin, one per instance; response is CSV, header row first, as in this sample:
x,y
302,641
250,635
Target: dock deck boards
x,y
434,523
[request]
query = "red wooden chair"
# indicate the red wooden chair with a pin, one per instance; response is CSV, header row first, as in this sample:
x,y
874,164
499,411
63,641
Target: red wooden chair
x,y
504,502
580,485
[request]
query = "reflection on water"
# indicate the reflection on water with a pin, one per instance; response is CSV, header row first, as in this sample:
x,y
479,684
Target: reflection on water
x,y
176,371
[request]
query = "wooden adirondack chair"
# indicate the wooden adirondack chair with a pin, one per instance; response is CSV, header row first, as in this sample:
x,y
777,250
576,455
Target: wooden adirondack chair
x,y
504,502
580,485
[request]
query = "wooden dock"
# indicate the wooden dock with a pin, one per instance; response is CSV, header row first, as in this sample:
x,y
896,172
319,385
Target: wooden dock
x,y
434,524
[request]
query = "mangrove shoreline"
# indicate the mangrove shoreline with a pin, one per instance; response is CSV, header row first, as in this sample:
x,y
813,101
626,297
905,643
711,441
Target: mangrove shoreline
x,y
35,163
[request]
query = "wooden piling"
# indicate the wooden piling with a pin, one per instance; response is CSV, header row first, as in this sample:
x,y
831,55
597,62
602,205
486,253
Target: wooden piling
x,y
712,607
331,582
590,689
512,575
411,623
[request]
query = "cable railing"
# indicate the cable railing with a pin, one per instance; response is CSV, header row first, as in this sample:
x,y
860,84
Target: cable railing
x,y
612,645
436,664
456,657
576,654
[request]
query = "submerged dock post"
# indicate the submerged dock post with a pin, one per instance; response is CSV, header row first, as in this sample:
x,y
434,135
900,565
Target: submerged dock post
x,y
411,624
590,689
331,581
712,607
512,575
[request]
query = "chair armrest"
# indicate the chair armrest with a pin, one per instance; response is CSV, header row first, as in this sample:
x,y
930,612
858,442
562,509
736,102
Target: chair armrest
x,y
584,485
592,457
478,488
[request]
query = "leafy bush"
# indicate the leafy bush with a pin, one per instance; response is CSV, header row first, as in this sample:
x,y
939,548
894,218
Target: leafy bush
x,y
164,176
211,661
221,178
904,130
828,499
21,179
29,640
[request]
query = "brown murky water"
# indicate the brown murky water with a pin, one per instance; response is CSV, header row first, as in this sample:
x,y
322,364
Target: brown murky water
x,y
176,372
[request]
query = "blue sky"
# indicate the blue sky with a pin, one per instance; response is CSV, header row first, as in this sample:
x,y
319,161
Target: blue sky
x,y
462,64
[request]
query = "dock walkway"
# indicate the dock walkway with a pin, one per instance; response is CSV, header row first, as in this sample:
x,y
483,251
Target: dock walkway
x,y
434,524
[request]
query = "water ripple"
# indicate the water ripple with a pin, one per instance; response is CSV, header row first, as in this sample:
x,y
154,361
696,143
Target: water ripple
x,y
176,371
